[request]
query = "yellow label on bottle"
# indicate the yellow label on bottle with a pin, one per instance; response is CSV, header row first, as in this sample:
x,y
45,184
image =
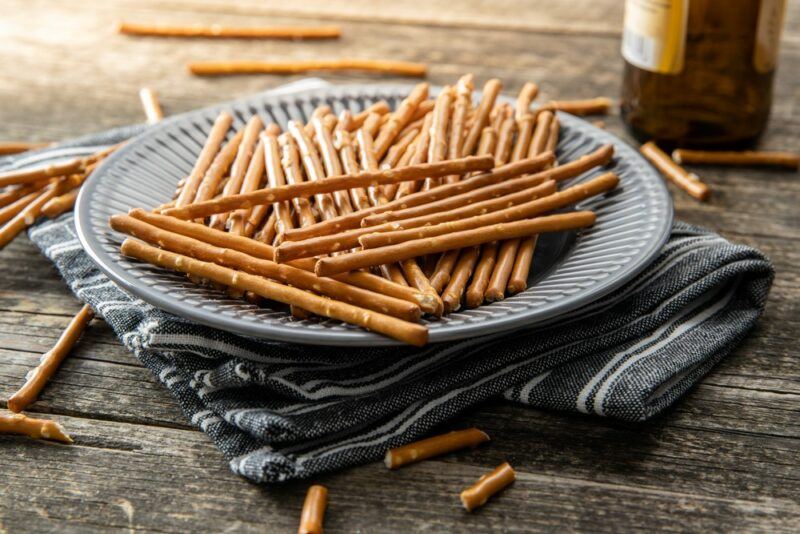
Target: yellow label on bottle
x,y
654,34
768,34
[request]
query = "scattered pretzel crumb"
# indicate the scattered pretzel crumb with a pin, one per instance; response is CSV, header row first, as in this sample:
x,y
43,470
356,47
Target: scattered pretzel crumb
x,y
313,510
486,486
435,446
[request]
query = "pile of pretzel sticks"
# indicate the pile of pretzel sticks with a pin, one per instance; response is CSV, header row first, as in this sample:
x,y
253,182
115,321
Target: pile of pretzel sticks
x,y
378,217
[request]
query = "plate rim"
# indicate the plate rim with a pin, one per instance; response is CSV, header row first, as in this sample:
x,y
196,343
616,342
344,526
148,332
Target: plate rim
x,y
524,319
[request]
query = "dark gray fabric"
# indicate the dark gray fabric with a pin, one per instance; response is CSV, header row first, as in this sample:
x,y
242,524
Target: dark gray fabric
x,y
279,411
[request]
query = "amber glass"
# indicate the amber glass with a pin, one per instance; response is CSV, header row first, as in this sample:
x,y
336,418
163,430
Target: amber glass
x,y
719,99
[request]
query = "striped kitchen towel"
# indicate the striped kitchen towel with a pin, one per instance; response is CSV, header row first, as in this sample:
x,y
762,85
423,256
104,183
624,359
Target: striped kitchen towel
x,y
280,411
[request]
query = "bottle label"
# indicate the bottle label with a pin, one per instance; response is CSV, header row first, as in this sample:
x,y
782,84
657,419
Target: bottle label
x,y
654,34
768,34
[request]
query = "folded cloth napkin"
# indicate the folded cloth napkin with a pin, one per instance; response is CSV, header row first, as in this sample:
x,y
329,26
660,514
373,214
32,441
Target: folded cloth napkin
x,y
279,411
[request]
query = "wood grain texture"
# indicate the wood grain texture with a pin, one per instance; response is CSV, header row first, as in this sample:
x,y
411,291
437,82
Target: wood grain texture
x,y
724,458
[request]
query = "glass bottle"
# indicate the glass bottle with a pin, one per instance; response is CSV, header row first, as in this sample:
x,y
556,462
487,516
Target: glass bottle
x,y
699,72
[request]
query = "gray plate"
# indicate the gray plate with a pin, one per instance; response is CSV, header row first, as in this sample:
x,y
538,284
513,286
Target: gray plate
x,y
570,270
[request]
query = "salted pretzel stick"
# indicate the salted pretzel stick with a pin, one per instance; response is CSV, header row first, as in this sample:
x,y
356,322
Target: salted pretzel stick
x,y
204,160
462,271
395,154
420,155
437,149
9,212
313,510
366,153
152,109
23,425
789,160
313,170
27,176
315,246
372,124
541,133
51,360
225,68
416,125
404,161
476,182
424,107
257,219
590,106
261,250
16,147
343,141
486,486
461,108
222,32
524,133
28,214
417,279
209,185
533,208
526,96
481,119
676,174
276,178
290,161
552,138
399,119
413,334
286,274
443,269
505,137
452,241
434,446
267,233
332,165
482,275
58,205
252,180
380,107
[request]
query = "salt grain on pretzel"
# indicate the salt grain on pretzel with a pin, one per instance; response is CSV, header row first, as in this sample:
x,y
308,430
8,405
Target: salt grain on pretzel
x,y
481,118
313,512
673,172
589,106
435,446
226,68
23,425
788,160
596,186
452,241
152,109
399,119
210,148
50,361
488,485
410,333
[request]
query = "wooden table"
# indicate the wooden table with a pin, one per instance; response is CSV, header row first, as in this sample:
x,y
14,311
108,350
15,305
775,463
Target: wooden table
x,y
727,456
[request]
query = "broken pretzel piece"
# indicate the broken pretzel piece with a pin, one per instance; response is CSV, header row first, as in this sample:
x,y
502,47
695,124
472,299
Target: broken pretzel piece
x,y
435,446
486,486
34,428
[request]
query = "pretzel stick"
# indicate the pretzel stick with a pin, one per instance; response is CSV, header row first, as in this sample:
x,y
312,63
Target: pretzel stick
x,y
420,155
343,141
313,510
505,137
415,125
481,118
16,147
218,31
461,108
333,166
9,212
552,138
417,279
486,486
286,274
435,446
51,360
204,160
225,68
452,241
399,119
526,96
314,173
437,149
516,260
424,107
676,174
482,275
152,109
590,106
423,197
27,176
33,428
252,181
380,107
268,232
209,185
28,214
257,221
745,157
58,205
410,333
276,178
458,280
397,152
524,132
290,161
366,153
532,208
264,251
